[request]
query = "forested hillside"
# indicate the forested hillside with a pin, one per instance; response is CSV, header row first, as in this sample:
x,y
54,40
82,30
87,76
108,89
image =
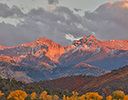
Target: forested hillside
x,y
104,85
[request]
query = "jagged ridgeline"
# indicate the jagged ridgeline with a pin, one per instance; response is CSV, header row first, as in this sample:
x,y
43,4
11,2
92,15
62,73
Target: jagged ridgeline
x,y
44,59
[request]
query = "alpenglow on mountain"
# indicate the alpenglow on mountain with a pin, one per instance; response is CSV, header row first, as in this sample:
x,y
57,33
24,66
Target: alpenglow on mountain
x,y
87,56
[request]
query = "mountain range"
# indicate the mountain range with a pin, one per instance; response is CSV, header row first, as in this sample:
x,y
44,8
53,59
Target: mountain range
x,y
87,56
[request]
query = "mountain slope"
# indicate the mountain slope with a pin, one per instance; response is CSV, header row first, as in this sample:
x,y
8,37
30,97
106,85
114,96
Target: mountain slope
x,y
10,69
79,69
42,47
95,52
104,85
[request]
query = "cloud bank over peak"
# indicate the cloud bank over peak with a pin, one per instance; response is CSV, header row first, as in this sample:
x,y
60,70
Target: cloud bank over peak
x,y
109,21
39,23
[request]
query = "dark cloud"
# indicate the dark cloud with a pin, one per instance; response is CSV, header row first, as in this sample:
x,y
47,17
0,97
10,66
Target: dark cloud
x,y
55,25
6,11
109,21
53,1
40,23
77,9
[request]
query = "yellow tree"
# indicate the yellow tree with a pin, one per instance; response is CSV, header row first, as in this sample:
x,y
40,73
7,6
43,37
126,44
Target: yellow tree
x,y
33,95
93,96
82,97
74,96
18,95
43,95
1,93
125,97
55,97
109,97
118,95
67,98
48,97
64,97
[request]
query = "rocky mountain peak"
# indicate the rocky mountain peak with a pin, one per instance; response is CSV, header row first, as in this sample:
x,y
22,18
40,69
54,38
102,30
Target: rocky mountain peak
x,y
91,41
88,40
45,41
1,47
116,44
125,40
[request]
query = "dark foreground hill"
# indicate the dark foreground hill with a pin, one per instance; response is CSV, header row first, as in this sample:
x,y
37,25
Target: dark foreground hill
x,y
104,85
9,85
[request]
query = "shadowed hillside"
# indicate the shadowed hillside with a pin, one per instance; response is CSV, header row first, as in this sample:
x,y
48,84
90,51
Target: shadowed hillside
x,y
104,85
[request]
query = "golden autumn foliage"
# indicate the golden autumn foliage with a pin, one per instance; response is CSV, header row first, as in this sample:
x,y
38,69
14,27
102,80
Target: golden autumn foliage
x,y
55,97
17,95
43,95
48,97
87,96
109,97
125,97
21,95
93,96
118,94
74,96
1,93
33,95
64,97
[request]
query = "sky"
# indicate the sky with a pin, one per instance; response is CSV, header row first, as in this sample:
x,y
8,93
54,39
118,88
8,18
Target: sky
x,y
62,20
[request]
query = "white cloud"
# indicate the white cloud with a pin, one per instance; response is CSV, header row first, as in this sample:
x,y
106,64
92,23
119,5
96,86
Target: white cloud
x,y
71,37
